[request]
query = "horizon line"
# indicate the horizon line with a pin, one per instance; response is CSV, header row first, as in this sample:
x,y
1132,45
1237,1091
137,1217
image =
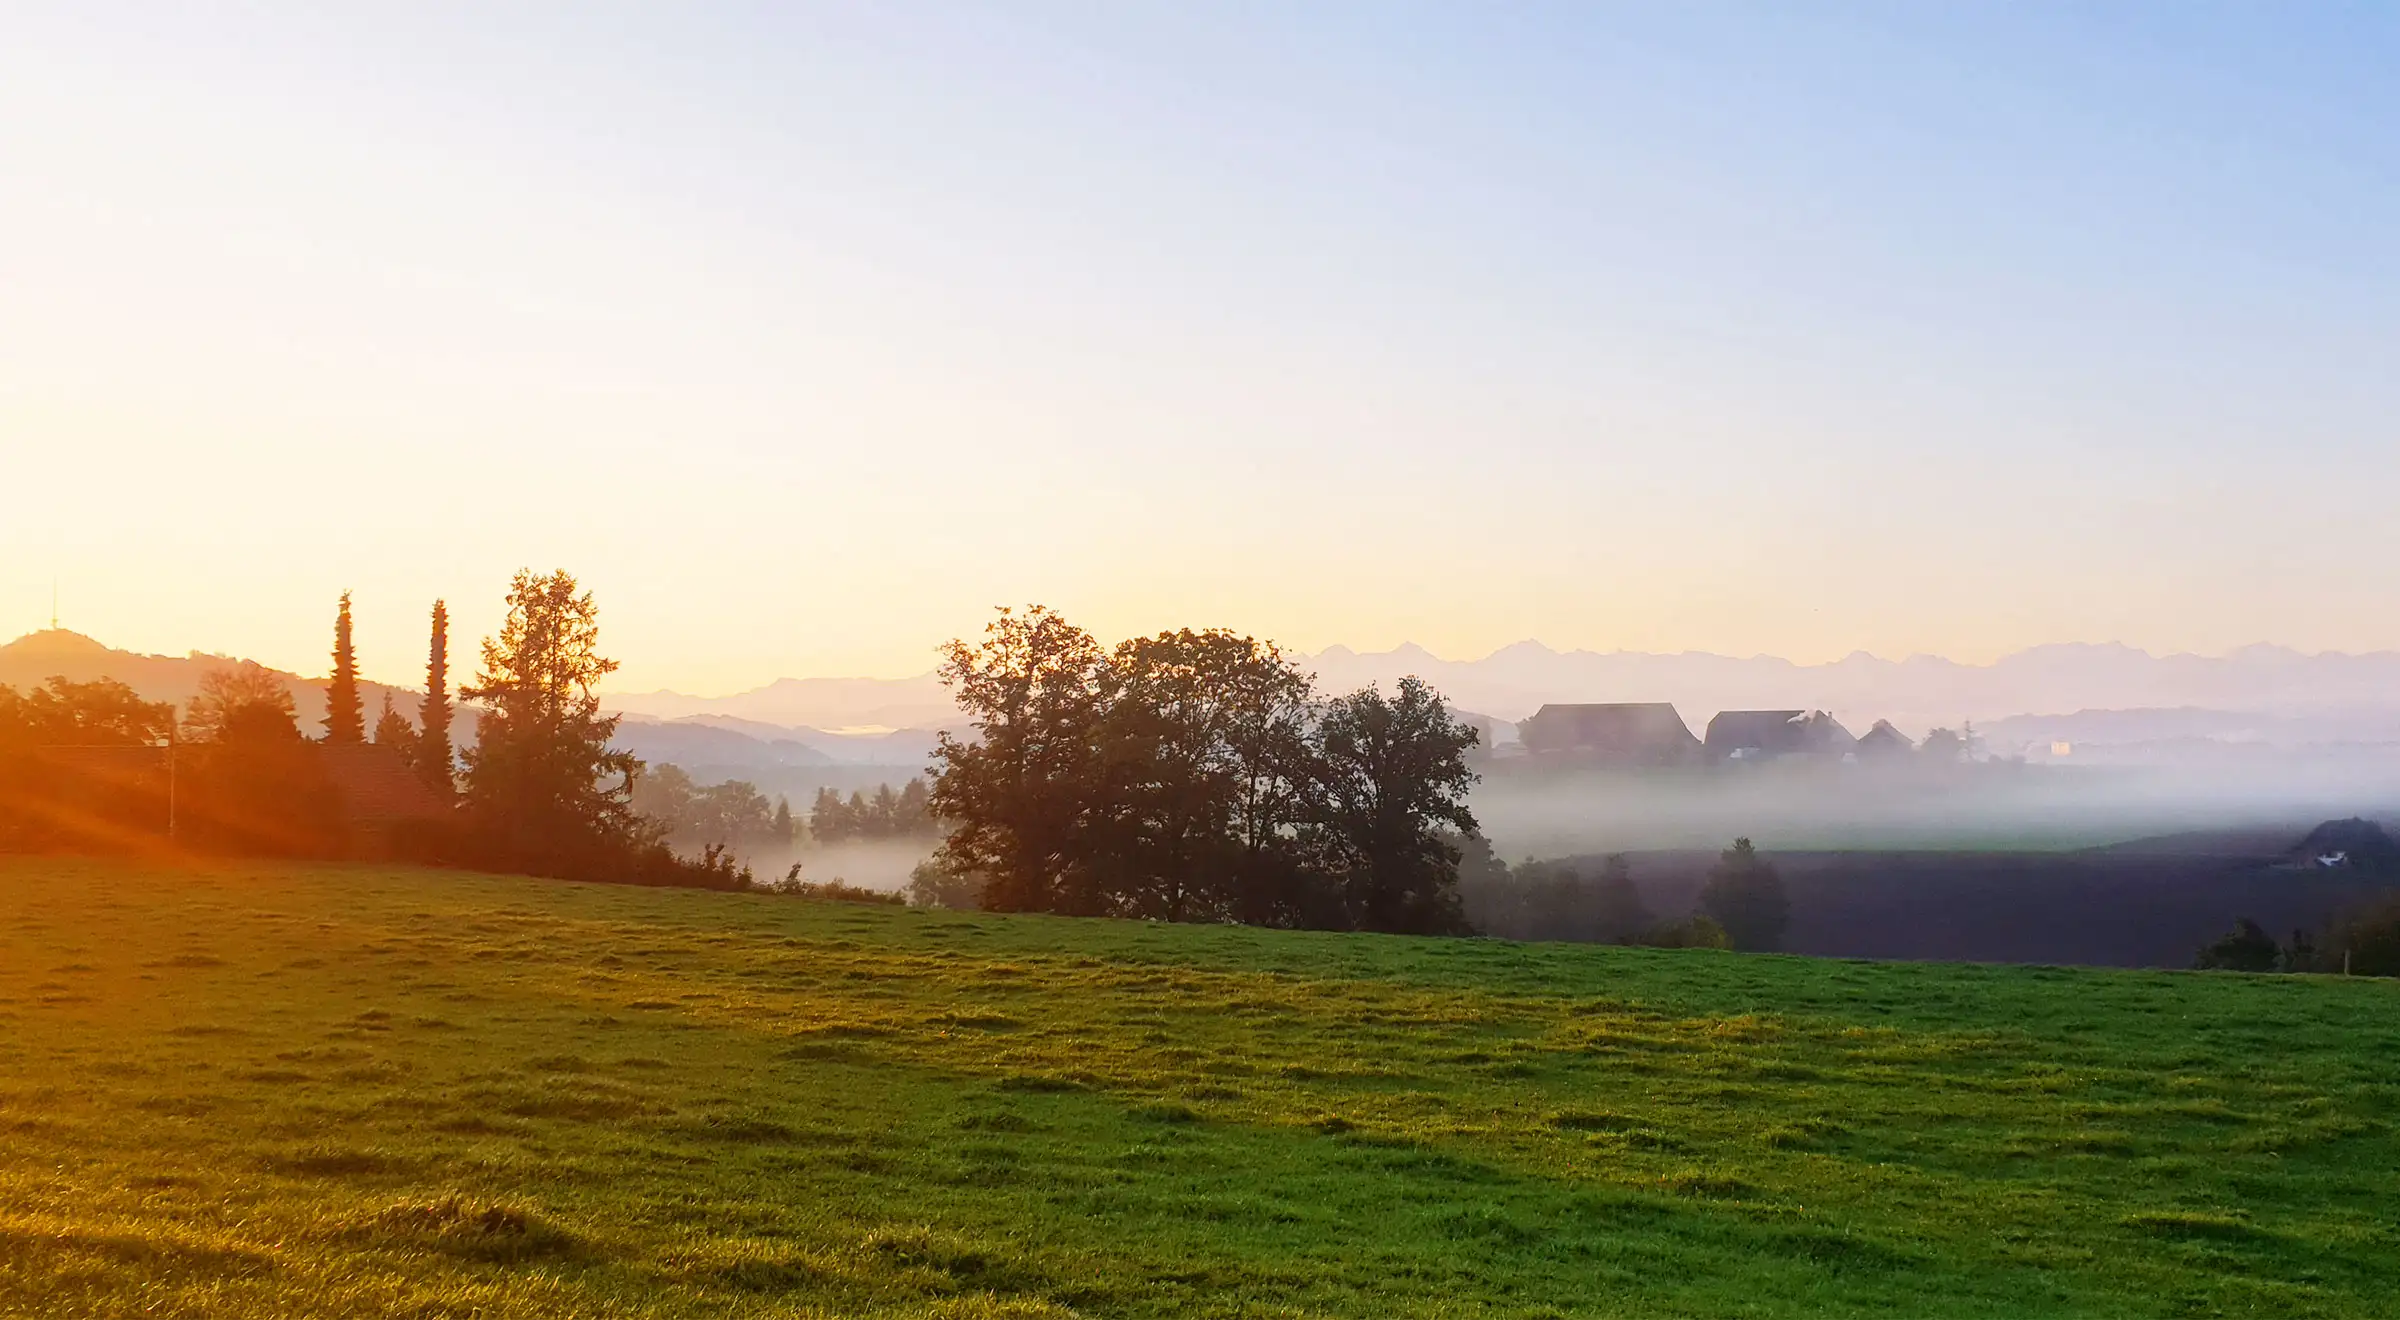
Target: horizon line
x,y
1350,652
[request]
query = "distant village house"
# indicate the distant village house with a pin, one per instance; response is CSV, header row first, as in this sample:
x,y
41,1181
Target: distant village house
x,y
1631,733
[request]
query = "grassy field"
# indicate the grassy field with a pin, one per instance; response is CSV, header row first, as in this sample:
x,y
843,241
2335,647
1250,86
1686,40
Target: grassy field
x,y
276,1092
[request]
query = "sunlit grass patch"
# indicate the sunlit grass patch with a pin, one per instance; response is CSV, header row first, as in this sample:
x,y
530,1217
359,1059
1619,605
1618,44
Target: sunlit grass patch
x,y
463,1094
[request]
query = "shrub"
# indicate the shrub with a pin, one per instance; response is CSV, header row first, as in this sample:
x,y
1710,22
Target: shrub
x,y
2245,948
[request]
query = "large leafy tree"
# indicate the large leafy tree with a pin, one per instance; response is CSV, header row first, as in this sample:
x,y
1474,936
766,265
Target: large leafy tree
x,y
435,760
542,783
663,795
75,765
258,787
345,716
829,819
238,693
103,713
1192,776
1021,788
1205,769
1394,779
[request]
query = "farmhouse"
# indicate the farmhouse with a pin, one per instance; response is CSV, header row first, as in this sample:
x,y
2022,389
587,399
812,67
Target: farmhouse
x,y
1884,741
1646,733
1744,735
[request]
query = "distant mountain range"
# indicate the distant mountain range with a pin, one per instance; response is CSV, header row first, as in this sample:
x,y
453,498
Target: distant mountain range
x,y
717,741
2319,692
860,704
1916,693
724,743
35,658
2080,692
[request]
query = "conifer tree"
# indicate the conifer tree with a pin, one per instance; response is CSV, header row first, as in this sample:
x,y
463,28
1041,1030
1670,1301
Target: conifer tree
x,y
392,729
785,828
345,718
433,717
545,789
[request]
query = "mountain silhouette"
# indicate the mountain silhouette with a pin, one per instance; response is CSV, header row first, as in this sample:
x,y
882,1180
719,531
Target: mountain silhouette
x,y
2286,688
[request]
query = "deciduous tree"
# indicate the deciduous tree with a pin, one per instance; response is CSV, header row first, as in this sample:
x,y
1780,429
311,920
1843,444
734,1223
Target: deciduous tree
x,y
1394,776
1034,692
228,689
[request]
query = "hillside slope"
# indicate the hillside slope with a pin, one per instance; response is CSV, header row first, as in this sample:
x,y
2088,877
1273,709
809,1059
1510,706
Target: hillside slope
x,y
274,1091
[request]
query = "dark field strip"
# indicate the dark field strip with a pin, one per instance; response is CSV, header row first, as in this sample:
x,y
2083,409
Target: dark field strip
x,y
283,1091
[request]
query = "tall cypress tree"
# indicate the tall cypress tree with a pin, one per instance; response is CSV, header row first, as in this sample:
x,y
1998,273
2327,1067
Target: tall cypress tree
x,y
433,718
345,717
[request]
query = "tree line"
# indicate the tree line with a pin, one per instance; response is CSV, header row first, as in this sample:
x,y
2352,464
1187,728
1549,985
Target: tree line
x,y
2362,941
1187,776
884,814
92,766
1741,906
735,812
731,812
1195,776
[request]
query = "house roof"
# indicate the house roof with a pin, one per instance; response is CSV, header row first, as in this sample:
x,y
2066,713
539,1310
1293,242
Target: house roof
x,y
1767,730
1623,728
1777,732
1884,738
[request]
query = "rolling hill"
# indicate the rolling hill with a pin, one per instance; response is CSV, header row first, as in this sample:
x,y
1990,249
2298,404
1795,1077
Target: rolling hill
x,y
271,1090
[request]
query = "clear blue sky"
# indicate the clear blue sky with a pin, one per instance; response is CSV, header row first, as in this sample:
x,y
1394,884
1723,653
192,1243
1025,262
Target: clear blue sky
x,y
807,333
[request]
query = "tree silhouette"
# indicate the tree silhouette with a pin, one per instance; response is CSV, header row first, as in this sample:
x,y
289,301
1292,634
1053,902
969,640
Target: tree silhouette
x,y
1745,896
2246,948
538,778
1189,776
434,759
392,730
226,691
828,820
1618,913
1035,691
345,717
1394,779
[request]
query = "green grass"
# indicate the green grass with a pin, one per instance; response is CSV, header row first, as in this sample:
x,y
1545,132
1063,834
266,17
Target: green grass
x,y
270,1091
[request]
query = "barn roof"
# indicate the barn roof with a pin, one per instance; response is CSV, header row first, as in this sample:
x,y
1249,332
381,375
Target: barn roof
x,y
1884,738
1624,728
1767,730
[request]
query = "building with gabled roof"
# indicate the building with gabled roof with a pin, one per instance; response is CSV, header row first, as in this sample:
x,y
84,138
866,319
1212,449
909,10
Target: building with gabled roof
x,y
1647,733
1882,741
1766,734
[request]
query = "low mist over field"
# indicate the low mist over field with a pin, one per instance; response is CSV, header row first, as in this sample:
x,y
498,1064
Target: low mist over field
x,y
1530,813
1033,661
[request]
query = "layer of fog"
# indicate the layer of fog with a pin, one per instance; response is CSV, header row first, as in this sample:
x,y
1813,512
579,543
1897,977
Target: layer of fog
x,y
1530,811
1533,810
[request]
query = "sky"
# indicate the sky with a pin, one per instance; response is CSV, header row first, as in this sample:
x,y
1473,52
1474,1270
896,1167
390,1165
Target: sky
x,y
805,334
